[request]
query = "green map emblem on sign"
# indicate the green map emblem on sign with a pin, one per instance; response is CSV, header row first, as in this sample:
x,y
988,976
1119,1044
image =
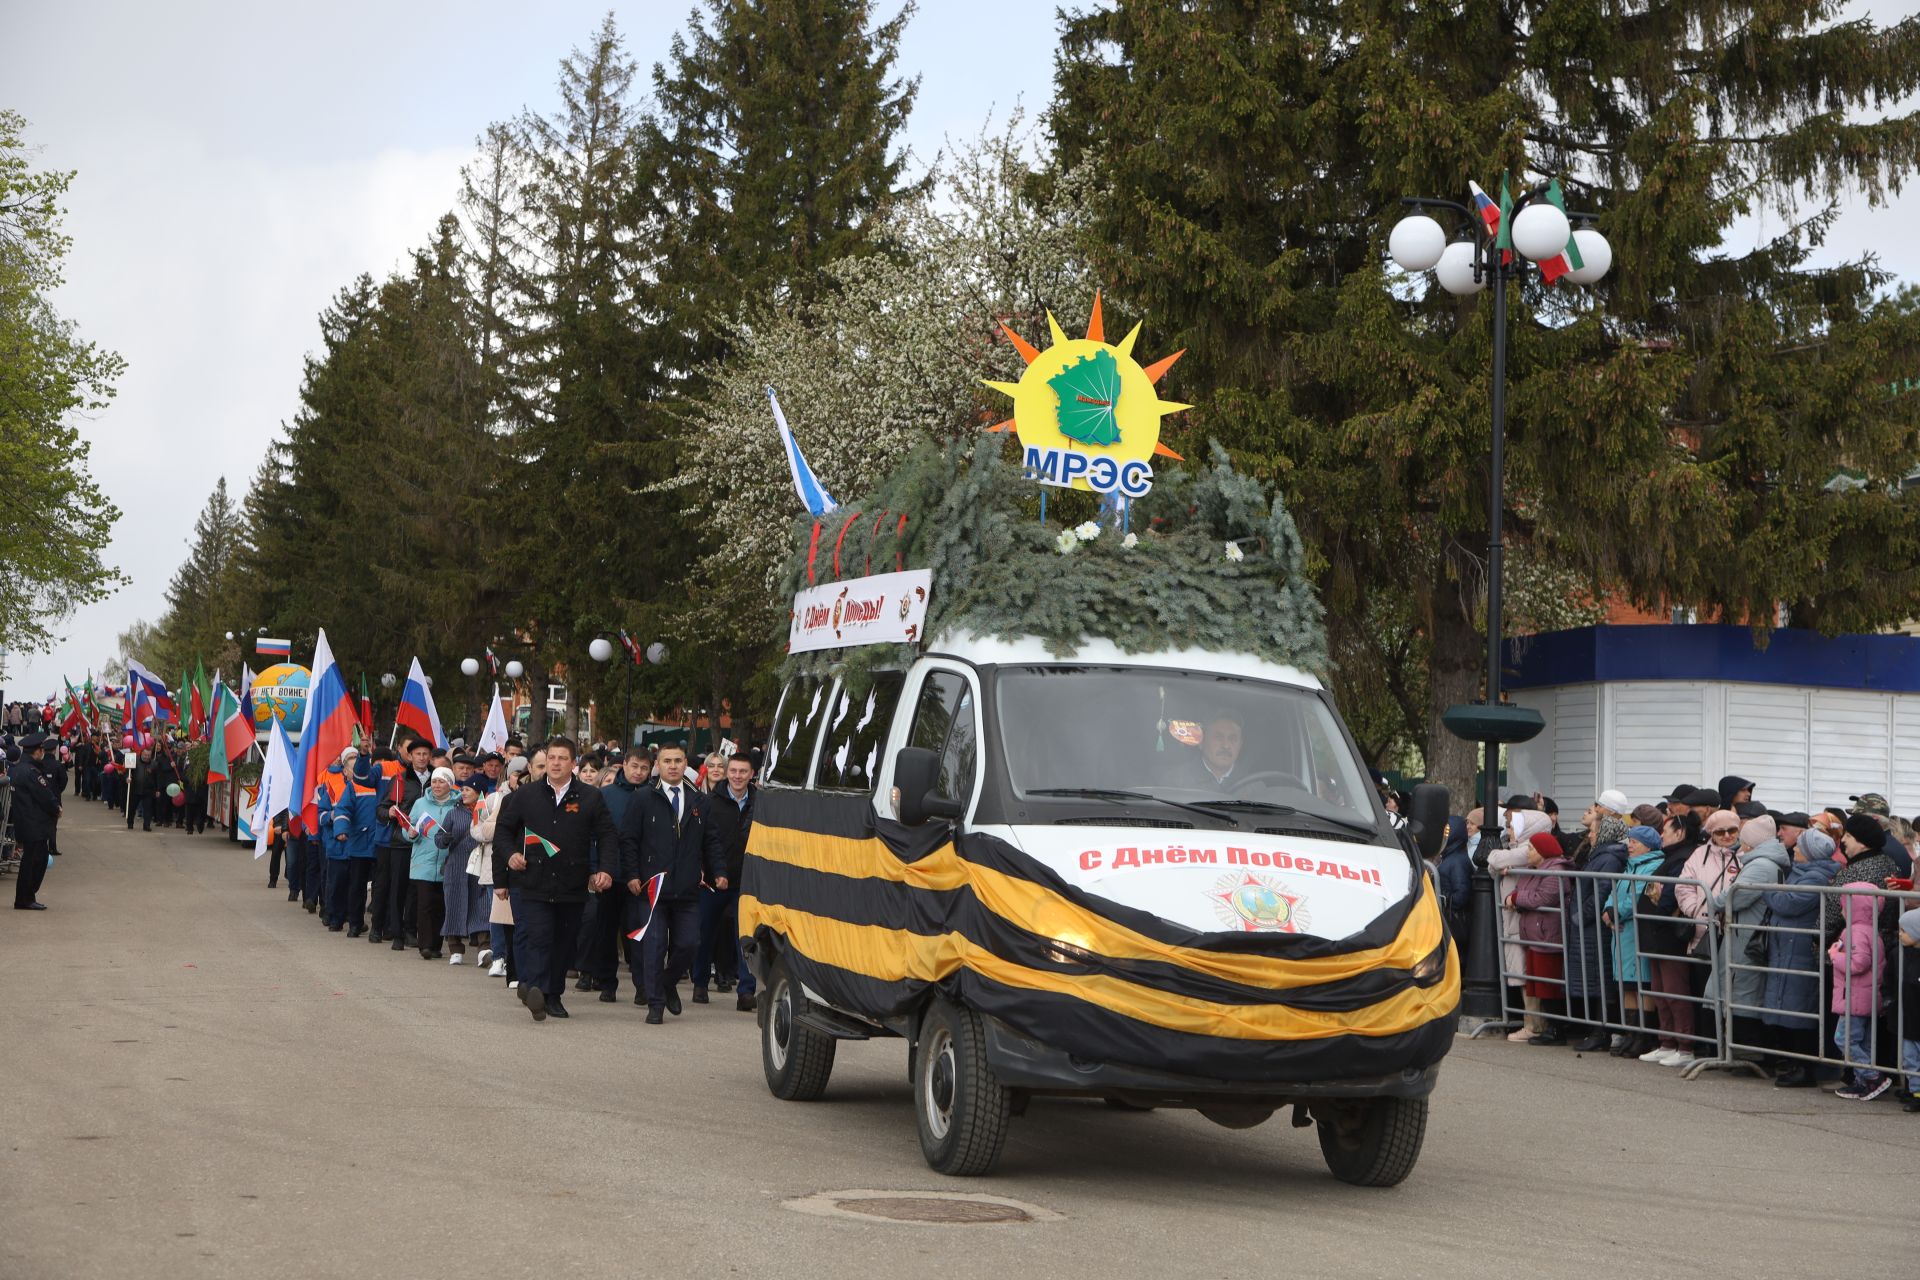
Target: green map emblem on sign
x,y
1089,392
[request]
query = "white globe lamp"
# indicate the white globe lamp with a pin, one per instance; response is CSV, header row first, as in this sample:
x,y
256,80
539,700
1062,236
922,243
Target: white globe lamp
x,y
1455,270
516,669
469,666
1540,231
601,649
656,653
1416,243
1595,253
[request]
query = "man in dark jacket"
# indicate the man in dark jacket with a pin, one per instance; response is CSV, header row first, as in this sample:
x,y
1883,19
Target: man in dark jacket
x,y
667,833
612,914
393,860
732,818
36,811
547,846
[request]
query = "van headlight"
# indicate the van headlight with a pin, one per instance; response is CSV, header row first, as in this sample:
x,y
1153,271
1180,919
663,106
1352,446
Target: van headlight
x,y
1430,968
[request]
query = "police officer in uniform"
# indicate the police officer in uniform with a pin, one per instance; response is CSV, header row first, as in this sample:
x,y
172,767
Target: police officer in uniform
x,y
36,811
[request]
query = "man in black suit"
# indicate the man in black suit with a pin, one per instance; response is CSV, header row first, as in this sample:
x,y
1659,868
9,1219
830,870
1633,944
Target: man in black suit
x,y
36,812
572,828
667,832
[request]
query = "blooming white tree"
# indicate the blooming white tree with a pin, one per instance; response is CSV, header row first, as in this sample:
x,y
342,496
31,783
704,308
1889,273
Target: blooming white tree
x,y
891,356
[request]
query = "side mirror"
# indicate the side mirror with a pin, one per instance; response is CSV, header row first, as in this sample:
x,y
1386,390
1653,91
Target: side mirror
x,y
916,772
1429,818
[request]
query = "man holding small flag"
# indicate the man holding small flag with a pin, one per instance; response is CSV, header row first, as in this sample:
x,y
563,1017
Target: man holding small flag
x,y
666,830
548,843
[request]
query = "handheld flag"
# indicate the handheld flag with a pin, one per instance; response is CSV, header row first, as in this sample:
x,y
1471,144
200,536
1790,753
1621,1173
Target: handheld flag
x,y
273,648
276,790
326,730
652,896
197,701
538,844
417,712
400,816
812,496
428,825
493,735
246,692
366,708
231,737
159,697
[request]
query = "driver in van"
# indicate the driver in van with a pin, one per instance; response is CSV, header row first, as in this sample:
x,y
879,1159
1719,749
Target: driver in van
x,y
1213,767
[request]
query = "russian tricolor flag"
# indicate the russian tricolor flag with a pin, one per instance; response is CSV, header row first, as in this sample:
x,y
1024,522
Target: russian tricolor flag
x,y
275,648
1484,206
326,730
417,712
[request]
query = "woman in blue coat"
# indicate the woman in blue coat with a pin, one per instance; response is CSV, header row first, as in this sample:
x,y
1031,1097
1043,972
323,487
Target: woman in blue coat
x,y
468,903
428,858
1644,856
1792,999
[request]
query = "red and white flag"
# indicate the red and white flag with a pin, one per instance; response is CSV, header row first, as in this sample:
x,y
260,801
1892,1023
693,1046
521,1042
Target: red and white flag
x,y
652,895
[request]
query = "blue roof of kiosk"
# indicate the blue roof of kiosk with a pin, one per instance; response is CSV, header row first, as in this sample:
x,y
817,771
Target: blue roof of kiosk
x,y
1882,663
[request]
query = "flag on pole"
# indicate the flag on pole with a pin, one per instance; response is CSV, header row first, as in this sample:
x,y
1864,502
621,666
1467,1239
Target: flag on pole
x,y
197,702
538,844
653,896
276,789
417,712
231,734
493,663
273,648
159,697
246,693
325,731
366,708
1568,259
633,648
812,496
72,715
493,735
1484,206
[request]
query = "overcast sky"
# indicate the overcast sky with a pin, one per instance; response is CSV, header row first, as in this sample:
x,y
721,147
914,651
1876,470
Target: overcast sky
x,y
238,164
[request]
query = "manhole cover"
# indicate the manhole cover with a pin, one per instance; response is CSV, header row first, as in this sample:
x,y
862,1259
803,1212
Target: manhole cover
x,y
922,1208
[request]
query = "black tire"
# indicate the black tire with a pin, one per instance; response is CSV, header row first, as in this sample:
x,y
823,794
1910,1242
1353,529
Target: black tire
x,y
961,1109
1373,1143
797,1059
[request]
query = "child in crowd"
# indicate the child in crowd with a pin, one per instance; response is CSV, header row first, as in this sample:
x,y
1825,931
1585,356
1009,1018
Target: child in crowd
x,y
1858,962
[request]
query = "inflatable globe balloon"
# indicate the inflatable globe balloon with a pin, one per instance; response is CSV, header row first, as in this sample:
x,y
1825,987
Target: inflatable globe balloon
x,y
173,788
280,694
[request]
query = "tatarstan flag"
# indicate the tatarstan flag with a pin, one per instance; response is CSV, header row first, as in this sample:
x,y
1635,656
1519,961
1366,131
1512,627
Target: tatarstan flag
x,y
538,844
230,736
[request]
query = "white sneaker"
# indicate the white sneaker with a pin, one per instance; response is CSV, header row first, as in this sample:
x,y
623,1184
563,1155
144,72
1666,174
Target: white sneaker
x,y
485,955
456,958
1657,1055
513,986
1680,1058
499,969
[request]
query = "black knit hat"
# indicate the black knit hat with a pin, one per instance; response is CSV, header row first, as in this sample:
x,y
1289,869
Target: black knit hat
x,y
1865,828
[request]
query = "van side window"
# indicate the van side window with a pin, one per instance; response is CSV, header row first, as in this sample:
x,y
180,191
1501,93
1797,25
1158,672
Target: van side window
x,y
795,728
944,723
856,733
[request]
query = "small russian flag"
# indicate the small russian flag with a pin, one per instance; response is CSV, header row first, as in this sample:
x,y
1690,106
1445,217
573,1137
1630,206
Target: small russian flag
x,y
277,648
1484,206
653,887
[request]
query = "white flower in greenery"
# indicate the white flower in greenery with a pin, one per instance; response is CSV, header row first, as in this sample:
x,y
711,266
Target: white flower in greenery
x,y
1066,542
1087,532
1131,541
1234,553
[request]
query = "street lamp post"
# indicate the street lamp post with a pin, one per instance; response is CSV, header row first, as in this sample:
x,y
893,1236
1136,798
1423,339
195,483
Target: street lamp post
x,y
1540,231
470,668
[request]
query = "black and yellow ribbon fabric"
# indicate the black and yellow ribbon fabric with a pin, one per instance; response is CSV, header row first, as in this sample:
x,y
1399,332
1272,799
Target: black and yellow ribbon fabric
x,y
872,914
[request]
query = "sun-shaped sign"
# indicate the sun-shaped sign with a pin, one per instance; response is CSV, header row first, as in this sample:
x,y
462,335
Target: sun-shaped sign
x,y
1085,411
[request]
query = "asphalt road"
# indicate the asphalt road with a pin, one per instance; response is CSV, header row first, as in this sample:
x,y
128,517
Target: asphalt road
x,y
201,1081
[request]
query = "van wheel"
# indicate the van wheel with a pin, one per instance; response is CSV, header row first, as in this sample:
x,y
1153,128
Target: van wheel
x,y
797,1058
962,1109
1372,1143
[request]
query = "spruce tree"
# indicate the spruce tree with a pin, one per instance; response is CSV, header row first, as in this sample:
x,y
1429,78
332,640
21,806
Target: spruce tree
x,y
773,152
1671,432
205,588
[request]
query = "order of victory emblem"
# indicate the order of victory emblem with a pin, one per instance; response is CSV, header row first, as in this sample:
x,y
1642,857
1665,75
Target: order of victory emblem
x,y
1255,904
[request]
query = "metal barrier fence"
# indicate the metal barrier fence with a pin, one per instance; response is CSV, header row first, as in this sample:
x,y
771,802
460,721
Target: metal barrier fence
x,y
1752,987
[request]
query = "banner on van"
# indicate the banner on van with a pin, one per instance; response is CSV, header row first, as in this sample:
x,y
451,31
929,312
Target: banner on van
x,y
884,608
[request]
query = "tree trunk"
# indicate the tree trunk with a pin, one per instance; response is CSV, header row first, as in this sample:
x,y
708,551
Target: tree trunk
x,y
1456,663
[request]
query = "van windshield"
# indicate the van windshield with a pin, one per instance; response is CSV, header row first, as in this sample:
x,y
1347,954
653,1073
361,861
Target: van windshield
x,y
1186,738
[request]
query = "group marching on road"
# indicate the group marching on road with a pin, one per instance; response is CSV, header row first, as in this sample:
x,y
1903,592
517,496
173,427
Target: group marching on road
x,y
546,865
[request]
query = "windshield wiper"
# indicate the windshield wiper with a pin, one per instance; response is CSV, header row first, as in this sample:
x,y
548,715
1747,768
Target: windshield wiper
x,y
1266,806
1110,793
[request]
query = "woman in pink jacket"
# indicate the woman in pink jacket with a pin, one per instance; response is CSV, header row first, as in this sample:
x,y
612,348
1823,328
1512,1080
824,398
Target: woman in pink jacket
x,y
1712,869
1538,899
1857,961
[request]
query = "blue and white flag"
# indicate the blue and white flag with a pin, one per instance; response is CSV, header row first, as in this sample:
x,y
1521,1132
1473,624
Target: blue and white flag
x,y
812,496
